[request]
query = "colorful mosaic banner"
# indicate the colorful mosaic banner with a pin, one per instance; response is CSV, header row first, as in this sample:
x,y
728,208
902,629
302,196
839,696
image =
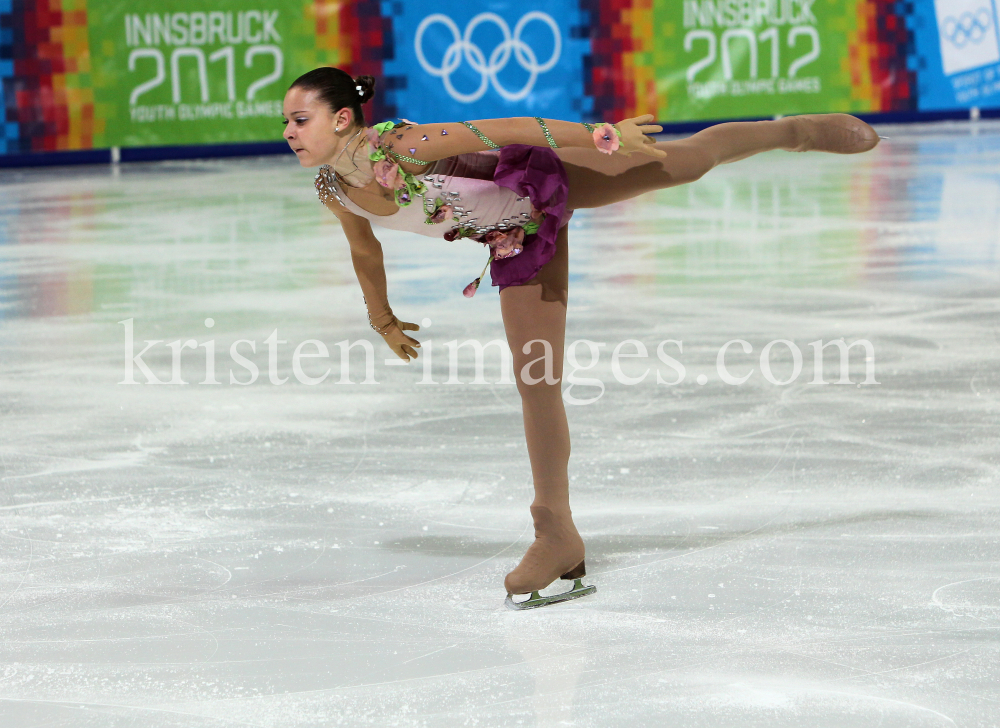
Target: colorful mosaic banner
x,y
85,74
90,74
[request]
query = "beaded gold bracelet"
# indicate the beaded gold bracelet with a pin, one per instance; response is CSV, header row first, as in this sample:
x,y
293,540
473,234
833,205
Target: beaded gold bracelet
x,y
546,132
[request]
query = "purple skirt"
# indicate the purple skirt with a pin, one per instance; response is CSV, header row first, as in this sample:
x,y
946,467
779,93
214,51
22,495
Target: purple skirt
x,y
538,174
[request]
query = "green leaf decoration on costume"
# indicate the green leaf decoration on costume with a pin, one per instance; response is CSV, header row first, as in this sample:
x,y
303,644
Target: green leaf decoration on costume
x,y
430,212
380,129
414,188
532,227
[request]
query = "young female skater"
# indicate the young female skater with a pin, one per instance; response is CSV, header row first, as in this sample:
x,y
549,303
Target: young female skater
x,y
511,185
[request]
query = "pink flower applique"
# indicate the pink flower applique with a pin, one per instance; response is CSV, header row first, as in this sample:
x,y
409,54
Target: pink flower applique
x,y
387,174
506,244
606,139
470,290
445,212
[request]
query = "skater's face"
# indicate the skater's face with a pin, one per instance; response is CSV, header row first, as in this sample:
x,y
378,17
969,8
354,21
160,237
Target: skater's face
x,y
309,127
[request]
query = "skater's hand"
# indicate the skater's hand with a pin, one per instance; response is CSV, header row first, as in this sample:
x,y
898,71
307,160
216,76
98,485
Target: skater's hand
x,y
402,345
634,137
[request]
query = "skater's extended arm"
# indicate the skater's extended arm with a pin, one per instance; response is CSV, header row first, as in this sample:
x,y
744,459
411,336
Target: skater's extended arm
x,y
369,265
430,142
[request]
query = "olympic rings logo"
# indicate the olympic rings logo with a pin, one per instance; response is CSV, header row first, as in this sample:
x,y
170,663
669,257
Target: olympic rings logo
x,y
463,48
968,27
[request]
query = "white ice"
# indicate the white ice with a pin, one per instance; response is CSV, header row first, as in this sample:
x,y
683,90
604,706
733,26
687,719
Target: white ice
x,y
816,555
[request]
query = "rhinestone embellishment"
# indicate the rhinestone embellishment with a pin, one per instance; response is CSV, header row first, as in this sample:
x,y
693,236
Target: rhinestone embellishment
x,y
325,189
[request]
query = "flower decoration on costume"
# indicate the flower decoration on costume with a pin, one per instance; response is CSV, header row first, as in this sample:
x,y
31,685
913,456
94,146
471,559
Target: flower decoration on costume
x,y
470,290
606,138
388,173
505,244
495,237
441,212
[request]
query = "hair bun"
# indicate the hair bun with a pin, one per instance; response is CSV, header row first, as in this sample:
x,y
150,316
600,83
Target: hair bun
x,y
366,87
338,89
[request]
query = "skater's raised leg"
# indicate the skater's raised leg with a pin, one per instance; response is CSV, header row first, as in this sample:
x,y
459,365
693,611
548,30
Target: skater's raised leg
x,y
597,179
533,313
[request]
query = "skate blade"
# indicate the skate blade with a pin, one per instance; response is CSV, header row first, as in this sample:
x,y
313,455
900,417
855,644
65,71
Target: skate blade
x,y
536,600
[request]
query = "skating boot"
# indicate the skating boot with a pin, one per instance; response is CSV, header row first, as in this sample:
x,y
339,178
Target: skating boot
x,y
837,133
557,552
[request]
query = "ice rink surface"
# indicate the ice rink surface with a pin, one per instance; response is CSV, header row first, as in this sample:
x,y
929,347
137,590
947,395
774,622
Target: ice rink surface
x,y
332,554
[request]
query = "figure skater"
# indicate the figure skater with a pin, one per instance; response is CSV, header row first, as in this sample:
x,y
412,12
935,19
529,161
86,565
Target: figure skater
x,y
512,185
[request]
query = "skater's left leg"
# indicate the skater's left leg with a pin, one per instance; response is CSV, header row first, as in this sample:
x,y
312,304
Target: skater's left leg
x,y
532,314
596,179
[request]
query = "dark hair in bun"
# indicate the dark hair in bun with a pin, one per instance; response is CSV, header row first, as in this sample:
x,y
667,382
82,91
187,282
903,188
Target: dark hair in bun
x,y
337,89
